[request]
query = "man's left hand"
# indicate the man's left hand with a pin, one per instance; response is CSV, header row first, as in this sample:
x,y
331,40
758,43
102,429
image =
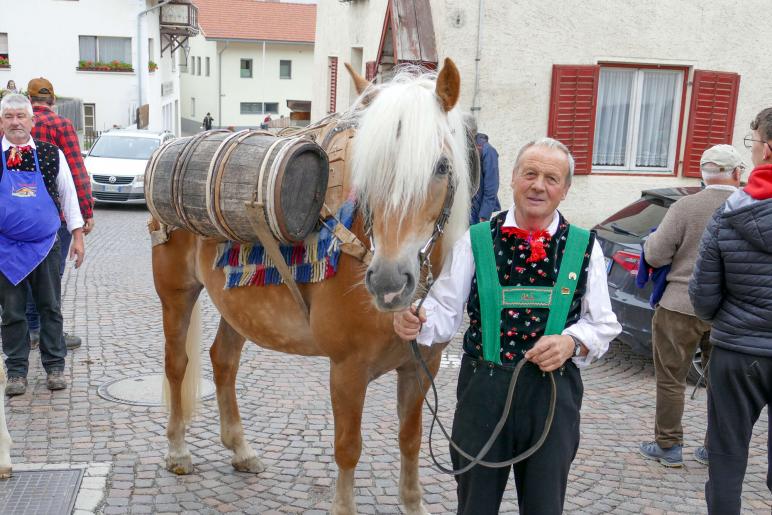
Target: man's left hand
x,y
550,352
88,225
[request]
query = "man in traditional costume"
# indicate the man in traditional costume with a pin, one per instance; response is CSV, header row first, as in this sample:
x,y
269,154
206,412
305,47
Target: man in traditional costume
x,y
35,185
535,289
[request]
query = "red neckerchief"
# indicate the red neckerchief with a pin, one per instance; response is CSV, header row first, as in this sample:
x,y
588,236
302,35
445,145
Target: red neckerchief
x,y
16,153
535,239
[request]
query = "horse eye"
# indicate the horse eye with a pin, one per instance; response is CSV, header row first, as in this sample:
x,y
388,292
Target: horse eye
x,y
443,167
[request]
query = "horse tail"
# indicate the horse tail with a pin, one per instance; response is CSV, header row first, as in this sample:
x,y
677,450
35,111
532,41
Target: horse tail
x,y
191,382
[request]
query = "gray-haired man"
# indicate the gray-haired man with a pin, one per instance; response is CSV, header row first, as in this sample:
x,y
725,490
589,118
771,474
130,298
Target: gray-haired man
x,y
676,331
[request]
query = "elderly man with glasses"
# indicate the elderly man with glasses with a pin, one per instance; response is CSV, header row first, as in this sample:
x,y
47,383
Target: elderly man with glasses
x,y
732,288
676,331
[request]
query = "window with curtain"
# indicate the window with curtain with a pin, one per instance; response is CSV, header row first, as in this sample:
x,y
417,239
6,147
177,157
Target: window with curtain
x,y
636,117
105,49
246,68
3,45
285,69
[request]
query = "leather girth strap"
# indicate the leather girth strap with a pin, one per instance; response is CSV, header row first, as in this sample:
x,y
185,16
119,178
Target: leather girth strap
x,y
260,225
494,297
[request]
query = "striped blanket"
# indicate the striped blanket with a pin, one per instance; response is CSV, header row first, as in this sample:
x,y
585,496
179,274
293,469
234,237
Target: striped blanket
x,y
312,261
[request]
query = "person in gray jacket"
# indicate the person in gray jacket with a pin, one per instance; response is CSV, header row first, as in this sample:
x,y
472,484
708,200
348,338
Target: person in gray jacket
x,y
732,287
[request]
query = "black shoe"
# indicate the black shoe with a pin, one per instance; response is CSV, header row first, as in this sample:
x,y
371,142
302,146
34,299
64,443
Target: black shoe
x,y
71,342
16,386
55,380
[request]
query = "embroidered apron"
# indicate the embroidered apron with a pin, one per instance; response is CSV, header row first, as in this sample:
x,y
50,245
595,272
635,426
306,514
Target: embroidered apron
x,y
494,297
29,221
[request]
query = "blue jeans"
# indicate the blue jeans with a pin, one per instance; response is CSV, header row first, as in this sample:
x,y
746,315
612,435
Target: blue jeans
x,y
33,318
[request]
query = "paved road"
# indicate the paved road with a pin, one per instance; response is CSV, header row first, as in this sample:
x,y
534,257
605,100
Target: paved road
x,y
284,402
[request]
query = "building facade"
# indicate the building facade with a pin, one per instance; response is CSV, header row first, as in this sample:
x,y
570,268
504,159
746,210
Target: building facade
x,y
88,49
250,61
636,91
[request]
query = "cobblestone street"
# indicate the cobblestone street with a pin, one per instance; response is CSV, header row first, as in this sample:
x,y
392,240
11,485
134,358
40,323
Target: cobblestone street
x,y
111,303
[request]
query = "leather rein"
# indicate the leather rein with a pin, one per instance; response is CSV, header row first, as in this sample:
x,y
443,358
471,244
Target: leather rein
x,y
424,260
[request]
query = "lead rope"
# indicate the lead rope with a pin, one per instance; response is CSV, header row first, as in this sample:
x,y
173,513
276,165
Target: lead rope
x,y
423,257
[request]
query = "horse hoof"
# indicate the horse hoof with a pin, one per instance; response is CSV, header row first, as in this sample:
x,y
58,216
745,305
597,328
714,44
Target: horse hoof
x,y
179,465
343,508
5,472
251,464
416,510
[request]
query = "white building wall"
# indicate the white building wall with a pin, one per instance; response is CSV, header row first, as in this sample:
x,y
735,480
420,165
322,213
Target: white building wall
x,y
43,41
265,85
521,40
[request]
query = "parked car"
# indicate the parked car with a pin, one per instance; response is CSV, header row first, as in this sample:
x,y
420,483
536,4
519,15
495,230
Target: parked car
x,y
621,238
116,163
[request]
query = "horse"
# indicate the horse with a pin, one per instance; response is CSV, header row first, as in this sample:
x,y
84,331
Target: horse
x,y
410,167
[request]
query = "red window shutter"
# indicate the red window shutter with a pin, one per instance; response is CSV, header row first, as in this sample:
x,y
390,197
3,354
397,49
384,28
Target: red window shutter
x,y
572,111
333,64
711,116
371,70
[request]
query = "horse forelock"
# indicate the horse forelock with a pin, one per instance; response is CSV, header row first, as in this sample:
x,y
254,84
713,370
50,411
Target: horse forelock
x,y
401,135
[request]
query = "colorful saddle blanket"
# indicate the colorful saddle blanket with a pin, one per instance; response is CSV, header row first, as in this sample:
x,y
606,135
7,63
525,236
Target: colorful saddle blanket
x,y
312,261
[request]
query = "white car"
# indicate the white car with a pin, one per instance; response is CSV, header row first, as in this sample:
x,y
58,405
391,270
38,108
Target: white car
x,y
116,164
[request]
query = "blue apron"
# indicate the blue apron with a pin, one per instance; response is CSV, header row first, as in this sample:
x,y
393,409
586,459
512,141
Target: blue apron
x,y
29,221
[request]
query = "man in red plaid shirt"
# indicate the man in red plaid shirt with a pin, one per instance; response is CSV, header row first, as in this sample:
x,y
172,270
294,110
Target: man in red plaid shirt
x,y
52,128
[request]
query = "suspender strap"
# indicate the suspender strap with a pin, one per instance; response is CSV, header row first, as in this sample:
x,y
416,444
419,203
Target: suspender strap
x,y
494,298
568,277
488,288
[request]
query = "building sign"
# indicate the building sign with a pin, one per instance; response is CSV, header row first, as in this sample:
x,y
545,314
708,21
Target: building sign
x,y
167,88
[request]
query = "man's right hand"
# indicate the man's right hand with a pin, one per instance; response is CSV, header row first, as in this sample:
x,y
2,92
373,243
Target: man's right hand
x,y
407,324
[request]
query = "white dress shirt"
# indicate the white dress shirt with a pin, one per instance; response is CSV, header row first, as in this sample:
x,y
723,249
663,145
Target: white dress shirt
x,y
444,306
68,197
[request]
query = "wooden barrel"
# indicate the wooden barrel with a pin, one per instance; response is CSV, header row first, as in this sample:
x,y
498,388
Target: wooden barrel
x,y
201,183
286,176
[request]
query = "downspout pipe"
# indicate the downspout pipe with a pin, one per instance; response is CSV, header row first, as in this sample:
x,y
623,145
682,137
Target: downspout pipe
x,y
219,84
139,50
475,108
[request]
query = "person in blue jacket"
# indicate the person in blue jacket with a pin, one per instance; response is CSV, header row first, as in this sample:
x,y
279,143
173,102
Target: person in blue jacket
x,y
486,201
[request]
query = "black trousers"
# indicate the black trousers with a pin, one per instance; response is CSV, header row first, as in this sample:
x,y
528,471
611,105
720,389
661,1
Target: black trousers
x,y
740,387
541,479
46,288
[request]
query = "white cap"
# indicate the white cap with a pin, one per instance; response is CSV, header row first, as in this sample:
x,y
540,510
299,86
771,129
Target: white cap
x,y
724,157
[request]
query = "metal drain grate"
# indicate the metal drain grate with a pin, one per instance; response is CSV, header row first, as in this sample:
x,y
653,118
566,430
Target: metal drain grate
x,y
40,492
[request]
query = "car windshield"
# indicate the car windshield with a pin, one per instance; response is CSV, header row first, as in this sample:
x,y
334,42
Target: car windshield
x,y
637,219
124,147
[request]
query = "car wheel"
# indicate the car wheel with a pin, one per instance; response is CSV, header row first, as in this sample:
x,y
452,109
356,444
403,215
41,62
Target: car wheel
x,y
696,371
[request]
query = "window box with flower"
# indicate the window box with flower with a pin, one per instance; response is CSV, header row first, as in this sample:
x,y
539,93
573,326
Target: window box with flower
x,y
152,66
98,66
4,62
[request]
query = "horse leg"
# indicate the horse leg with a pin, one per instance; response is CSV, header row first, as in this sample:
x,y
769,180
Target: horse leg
x,y
181,318
225,354
348,385
5,437
409,408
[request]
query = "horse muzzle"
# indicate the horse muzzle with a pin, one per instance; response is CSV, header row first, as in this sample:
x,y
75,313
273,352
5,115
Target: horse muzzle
x,y
391,283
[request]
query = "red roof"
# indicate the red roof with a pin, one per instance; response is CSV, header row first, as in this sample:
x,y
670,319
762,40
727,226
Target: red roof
x,y
257,20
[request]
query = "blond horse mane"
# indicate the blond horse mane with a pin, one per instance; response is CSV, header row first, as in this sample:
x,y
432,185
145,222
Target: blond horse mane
x,y
402,133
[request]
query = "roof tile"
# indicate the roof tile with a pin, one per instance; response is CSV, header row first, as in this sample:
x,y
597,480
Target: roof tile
x,y
257,20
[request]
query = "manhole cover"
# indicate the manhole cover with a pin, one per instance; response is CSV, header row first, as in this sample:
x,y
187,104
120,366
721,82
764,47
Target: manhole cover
x,y
38,492
145,390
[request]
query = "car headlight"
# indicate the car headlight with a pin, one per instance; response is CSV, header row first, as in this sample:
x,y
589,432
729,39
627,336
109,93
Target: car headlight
x,y
139,179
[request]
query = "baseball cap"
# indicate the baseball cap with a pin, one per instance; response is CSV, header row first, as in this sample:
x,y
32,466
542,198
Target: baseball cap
x,y
724,157
40,87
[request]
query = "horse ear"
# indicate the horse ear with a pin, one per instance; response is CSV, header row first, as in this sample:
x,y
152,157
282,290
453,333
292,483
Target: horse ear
x,y
448,85
360,83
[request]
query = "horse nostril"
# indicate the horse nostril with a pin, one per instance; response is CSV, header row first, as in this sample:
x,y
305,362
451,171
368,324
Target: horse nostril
x,y
368,276
409,282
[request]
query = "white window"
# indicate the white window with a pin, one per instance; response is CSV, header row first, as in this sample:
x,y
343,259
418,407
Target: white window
x,y
192,107
198,65
4,45
105,49
207,67
150,49
89,118
285,69
251,107
246,68
636,119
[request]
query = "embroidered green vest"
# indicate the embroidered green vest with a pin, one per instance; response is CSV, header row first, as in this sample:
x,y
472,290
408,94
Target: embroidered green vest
x,y
512,302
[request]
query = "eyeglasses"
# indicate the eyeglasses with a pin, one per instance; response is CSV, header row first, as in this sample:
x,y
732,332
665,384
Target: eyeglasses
x,y
748,141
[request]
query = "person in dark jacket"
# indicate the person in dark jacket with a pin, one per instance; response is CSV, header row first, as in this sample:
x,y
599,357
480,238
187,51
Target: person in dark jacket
x,y
732,287
486,200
